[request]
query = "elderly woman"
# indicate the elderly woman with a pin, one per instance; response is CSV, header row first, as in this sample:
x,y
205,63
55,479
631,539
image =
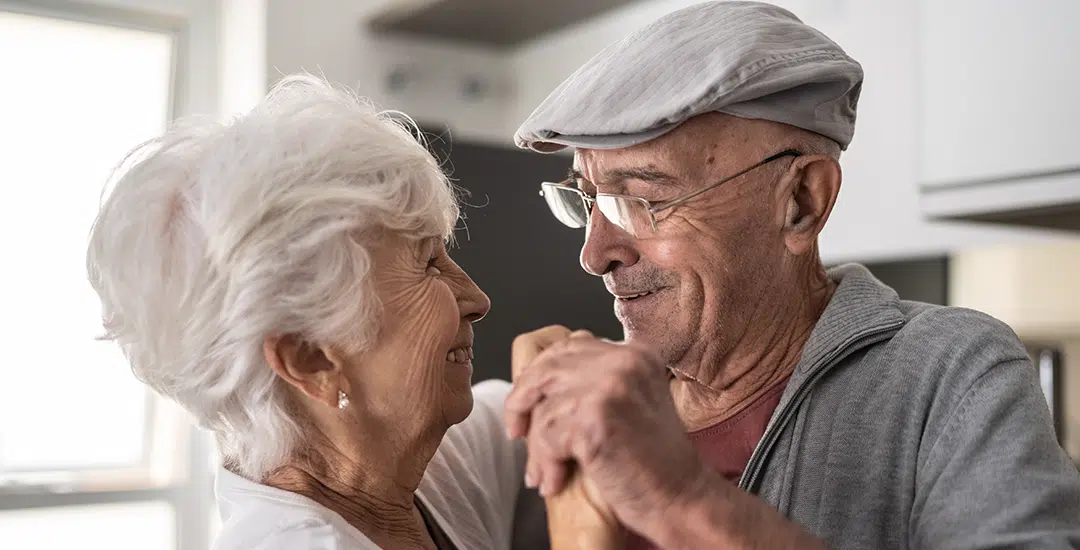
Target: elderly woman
x,y
285,279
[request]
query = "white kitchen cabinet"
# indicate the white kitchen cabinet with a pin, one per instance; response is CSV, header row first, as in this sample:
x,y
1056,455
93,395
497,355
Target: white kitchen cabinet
x,y
999,90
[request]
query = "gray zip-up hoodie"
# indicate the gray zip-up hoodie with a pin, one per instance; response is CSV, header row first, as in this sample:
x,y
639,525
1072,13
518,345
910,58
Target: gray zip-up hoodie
x,y
907,425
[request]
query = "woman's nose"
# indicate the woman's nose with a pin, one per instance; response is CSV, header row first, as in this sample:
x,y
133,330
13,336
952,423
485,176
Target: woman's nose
x,y
472,301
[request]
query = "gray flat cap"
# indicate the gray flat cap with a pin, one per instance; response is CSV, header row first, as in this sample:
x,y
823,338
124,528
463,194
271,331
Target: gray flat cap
x,y
748,59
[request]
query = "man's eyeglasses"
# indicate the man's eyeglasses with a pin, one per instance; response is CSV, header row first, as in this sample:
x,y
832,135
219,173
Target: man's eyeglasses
x,y
634,215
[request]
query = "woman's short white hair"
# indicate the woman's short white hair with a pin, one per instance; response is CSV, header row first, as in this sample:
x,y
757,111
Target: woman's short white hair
x,y
216,235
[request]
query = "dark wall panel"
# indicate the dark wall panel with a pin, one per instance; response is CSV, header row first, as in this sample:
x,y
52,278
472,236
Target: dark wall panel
x,y
917,279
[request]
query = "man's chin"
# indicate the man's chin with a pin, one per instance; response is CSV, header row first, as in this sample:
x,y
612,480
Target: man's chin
x,y
640,335
635,327
654,338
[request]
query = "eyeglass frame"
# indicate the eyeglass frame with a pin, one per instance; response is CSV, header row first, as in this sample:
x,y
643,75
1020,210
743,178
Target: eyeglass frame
x,y
653,208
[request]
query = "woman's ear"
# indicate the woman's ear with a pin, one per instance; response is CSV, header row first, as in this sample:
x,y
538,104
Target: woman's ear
x,y
810,202
314,370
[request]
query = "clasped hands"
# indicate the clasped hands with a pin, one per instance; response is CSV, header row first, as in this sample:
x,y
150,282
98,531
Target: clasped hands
x,y
602,410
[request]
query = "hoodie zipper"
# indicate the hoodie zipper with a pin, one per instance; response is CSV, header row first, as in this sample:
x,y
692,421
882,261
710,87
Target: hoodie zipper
x,y
754,468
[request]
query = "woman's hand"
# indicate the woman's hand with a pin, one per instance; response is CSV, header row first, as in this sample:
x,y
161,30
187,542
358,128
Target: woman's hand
x,y
577,518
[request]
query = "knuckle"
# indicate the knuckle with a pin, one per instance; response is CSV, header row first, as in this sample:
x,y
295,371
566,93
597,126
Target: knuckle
x,y
592,415
622,359
615,385
634,356
552,332
538,336
590,440
523,340
549,421
635,361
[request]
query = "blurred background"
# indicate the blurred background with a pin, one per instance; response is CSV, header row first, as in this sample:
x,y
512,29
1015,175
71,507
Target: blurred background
x,y
962,187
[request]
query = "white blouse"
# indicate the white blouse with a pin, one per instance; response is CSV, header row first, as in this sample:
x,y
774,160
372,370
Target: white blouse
x,y
470,487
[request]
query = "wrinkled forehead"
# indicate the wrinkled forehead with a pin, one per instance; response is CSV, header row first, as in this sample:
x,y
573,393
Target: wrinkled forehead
x,y
701,146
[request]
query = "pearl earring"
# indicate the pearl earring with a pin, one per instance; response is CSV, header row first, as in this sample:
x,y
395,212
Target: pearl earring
x,y
342,400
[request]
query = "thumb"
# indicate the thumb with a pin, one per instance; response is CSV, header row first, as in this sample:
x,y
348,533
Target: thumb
x,y
528,345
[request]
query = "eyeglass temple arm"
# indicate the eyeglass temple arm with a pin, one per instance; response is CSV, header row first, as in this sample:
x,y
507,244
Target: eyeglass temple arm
x,y
665,205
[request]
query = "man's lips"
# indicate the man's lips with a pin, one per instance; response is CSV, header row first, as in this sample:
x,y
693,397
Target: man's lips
x,y
630,295
637,305
633,295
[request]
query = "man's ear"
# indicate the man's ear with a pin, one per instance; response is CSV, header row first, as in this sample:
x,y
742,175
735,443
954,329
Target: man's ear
x,y
316,371
810,200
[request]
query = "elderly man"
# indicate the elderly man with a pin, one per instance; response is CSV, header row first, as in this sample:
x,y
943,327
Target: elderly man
x,y
760,401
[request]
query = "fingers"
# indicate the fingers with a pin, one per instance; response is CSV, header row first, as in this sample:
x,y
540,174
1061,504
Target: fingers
x,y
526,394
550,439
545,376
528,390
540,466
554,477
527,346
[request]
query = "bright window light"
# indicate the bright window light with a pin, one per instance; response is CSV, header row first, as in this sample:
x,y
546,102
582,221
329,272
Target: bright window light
x,y
134,526
76,97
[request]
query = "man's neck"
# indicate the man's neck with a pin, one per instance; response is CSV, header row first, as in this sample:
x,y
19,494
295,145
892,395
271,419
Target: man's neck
x,y
765,354
374,490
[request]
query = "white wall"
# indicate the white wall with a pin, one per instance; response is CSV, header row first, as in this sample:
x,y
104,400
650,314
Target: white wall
x,y
877,216
327,37
243,54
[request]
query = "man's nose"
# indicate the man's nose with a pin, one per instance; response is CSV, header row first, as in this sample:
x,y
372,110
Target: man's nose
x,y
607,246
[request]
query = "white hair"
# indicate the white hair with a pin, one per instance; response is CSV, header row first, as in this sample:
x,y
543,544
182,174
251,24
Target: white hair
x,y
217,235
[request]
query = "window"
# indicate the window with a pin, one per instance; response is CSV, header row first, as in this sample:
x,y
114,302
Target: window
x,y
67,527
86,451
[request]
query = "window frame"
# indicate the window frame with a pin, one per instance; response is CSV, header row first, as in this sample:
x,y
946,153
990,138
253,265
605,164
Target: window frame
x,y
187,486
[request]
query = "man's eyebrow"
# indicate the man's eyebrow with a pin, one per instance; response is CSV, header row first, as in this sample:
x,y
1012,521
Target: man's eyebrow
x,y
650,175
576,177
619,175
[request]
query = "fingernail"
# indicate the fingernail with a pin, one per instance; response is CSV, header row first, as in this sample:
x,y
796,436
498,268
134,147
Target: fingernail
x,y
529,481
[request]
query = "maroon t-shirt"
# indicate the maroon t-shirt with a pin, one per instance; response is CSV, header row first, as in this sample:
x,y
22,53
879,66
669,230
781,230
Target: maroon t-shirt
x,y
727,446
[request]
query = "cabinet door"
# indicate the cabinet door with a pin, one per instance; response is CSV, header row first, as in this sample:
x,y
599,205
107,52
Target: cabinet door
x,y
999,89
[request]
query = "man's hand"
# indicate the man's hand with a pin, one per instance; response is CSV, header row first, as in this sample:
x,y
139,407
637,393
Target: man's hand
x,y
605,406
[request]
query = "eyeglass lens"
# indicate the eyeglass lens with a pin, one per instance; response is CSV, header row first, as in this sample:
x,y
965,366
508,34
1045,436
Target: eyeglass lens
x,y
571,208
567,205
